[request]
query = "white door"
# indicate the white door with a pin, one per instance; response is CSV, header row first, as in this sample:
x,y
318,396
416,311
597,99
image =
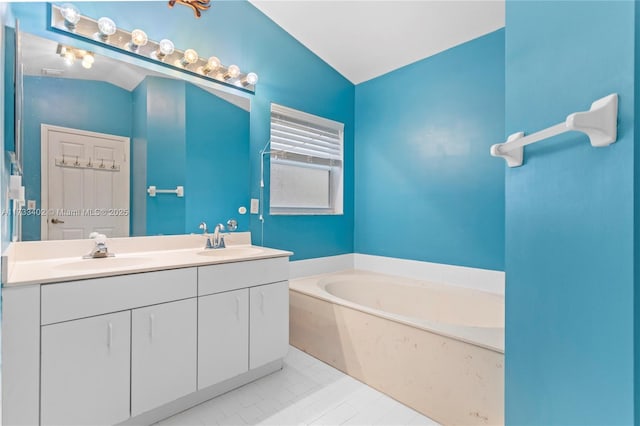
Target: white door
x,y
268,323
85,371
85,184
223,336
163,354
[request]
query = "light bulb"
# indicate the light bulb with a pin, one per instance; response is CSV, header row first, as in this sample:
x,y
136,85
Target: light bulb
x,y
106,28
190,57
213,63
165,47
71,15
233,72
138,38
69,57
251,78
87,61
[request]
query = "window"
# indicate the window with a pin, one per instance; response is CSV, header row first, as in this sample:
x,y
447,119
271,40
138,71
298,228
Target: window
x,y
306,163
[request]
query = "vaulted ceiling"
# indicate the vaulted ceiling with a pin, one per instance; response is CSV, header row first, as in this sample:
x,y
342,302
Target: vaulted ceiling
x,y
365,39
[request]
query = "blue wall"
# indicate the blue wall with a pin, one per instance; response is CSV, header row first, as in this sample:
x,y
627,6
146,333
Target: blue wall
x,y
290,75
217,157
138,192
636,215
97,107
569,218
426,187
166,154
184,135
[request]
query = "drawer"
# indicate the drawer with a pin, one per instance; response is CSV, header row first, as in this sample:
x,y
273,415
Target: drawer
x,y
232,276
78,299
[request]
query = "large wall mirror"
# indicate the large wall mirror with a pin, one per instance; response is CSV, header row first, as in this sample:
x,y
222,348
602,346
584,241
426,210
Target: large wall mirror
x,y
97,132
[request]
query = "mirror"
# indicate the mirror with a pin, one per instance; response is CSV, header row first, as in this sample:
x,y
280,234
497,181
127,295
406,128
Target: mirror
x,y
99,132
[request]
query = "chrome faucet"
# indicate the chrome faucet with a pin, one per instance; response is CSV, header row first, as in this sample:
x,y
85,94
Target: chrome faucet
x,y
100,248
203,226
218,240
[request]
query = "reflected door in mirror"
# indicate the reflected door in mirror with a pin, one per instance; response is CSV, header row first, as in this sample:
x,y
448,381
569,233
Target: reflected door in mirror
x,y
85,184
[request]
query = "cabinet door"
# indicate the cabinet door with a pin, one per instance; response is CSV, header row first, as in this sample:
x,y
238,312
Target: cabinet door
x,y
223,336
85,371
268,323
163,354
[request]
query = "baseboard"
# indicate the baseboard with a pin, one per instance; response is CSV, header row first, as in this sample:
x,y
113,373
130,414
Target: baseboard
x,y
462,276
320,265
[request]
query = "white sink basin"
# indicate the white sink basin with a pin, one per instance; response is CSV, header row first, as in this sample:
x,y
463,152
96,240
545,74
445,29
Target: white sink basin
x,y
102,263
232,252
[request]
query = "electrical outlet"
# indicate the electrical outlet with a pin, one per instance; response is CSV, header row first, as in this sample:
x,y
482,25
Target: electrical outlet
x,y
255,206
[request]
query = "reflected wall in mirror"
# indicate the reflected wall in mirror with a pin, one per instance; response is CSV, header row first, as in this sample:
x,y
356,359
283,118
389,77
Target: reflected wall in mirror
x,y
179,134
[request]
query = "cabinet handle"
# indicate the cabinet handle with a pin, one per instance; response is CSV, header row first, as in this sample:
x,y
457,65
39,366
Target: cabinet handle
x,y
237,307
151,328
109,335
262,302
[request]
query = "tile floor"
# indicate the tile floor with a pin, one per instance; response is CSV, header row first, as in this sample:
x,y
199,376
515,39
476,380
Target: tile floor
x,y
305,392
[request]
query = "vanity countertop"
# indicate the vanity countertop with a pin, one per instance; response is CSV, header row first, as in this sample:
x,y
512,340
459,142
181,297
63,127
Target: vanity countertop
x,y
34,262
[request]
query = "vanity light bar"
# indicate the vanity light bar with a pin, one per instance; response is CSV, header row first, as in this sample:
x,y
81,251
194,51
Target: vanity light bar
x,y
161,52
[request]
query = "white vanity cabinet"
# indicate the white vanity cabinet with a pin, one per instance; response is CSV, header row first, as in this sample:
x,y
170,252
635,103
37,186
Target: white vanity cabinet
x,y
140,347
163,353
85,371
238,334
116,347
269,323
223,336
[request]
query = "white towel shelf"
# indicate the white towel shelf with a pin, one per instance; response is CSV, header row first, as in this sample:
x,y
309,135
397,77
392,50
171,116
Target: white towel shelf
x,y
152,191
600,123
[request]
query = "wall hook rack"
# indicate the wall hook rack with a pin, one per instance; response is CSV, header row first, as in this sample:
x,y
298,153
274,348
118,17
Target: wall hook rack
x,y
83,163
600,123
152,191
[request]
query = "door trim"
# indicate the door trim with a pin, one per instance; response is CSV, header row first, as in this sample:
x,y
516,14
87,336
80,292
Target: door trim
x,y
44,164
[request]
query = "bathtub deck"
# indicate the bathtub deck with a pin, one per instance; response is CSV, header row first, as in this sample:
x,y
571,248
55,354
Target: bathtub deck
x,y
305,392
449,380
455,325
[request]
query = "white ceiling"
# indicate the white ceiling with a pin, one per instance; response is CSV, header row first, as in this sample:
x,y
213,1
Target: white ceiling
x,y
363,39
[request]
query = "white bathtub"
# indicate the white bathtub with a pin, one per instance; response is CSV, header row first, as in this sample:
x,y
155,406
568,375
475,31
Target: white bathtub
x,y
470,315
436,347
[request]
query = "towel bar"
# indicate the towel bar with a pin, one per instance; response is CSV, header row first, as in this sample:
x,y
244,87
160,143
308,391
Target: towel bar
x,y
600,123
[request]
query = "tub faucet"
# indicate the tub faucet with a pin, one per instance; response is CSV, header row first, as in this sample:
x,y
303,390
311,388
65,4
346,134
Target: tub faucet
x,y
203,226
100,248
218,240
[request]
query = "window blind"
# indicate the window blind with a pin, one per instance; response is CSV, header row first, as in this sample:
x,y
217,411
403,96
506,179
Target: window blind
x,y
305,138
